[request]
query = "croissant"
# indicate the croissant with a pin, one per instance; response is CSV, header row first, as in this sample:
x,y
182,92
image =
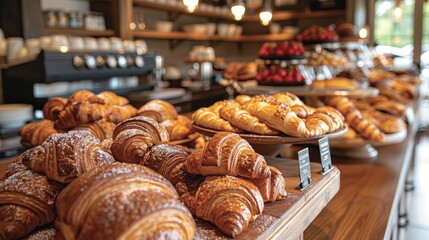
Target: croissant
x,y
121,113
199,142
278,116
390,106
26,202
336,83
159,110
179,128
288,98
272,188
122,201
302,111
242,99
79,113
15,167
220,104
110,98
242,119
209,119
65,156
84,96
228,202
227,154
53,107
133,137
101,129
106,144
354,117
385,122
33,134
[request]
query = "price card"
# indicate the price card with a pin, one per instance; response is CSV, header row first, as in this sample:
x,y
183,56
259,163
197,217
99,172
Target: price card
x,y
325,155
304,168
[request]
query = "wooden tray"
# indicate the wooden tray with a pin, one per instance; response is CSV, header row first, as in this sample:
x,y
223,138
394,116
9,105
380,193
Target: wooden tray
x,y
279,139
287,218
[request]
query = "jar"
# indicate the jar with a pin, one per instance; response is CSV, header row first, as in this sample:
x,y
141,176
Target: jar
x,y
63,20
75,20
51,20
101,23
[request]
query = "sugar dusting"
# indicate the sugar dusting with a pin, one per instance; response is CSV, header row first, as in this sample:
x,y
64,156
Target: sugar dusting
x,y
42,234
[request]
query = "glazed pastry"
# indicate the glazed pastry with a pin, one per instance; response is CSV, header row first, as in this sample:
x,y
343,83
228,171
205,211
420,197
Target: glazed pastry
x,y
242,99
26,202
34,134
335,83
65,156
84,96
385,122
302,111
209,119
159,110
121,113
179,128
227,154
122,201
53,107
110,98
243,120
133,137
324,120
220,104
80,113
288,98
278,116
272,188
101,129
354,117
228,202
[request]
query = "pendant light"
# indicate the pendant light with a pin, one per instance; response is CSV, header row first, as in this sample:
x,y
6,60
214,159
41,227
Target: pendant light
x,y
397,11
190,5
266,14
238,10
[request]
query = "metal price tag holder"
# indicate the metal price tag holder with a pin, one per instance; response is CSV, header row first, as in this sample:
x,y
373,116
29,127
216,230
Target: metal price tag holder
x,y
304,169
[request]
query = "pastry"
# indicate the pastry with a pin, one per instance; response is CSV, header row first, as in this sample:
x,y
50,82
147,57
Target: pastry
x,y
272,188
209,119
26,202
122,201
84,96
244,120
111,98
53,107
133,137
79,113
159,110
288,98
179,128
227,154
242,99
385,122
100,129
121,113
34,134
220,104
335,83
65,156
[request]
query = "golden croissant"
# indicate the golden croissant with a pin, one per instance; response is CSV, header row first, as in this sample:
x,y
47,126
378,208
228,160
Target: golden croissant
x,y
272,188
121,113
133,137
178,128
227,154
159,110
288,98
220,104
53,107
100,129
122,201
385,122
110,98
26,202
79,113
209,119
244,120
230,203
84,96
65,156
34,134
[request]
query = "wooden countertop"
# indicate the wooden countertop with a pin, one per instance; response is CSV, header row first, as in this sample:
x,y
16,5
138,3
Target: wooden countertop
x,y
366,207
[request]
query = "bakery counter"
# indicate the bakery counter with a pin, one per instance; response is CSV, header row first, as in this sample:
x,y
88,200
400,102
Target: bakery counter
x,y
367,205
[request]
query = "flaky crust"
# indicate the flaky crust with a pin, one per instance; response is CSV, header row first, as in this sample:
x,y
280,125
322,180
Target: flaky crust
x,y
84,96
227,154
230,203
133,137
215,107
26,202
121,113
65,156
110,98
53,107
100,129
34,134
79,113
244,120
385,122
272,188
179,128
209,119
122,201
159,110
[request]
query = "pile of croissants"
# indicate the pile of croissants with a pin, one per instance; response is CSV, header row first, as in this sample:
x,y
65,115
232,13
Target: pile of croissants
x,y
99,114
281,113
139,187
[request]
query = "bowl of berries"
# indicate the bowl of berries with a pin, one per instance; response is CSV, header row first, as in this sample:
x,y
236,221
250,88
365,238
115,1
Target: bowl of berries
x,y
317,34
279,74
282,50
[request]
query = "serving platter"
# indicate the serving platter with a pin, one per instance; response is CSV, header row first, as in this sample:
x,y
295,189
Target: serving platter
x,y
277,139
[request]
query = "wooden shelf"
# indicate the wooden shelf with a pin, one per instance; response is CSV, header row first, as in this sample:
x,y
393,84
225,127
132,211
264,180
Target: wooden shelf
x,y
277,15
80,32
216,38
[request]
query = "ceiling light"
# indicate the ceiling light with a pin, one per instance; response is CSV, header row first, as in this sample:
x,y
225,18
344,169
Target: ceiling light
x,y
238,10
190,5
266,14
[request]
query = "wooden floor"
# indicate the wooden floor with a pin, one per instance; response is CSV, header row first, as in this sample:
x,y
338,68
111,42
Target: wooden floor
x,y
418,199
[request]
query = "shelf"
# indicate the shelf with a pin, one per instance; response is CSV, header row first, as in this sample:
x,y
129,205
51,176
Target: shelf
x,y
80,32
277,15
204,37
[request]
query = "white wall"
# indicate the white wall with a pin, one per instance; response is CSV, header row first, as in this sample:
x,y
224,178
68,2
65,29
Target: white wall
x,y
68,5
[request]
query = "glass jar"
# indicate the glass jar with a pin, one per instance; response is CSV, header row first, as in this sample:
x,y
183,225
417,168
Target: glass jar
x,y
51,19
75,20
63,20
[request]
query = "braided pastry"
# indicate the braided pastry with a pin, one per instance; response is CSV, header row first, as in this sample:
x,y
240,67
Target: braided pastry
x,y
133,137
53,107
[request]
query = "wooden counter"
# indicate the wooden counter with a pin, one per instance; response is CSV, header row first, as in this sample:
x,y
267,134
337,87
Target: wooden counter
x,y
366,207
